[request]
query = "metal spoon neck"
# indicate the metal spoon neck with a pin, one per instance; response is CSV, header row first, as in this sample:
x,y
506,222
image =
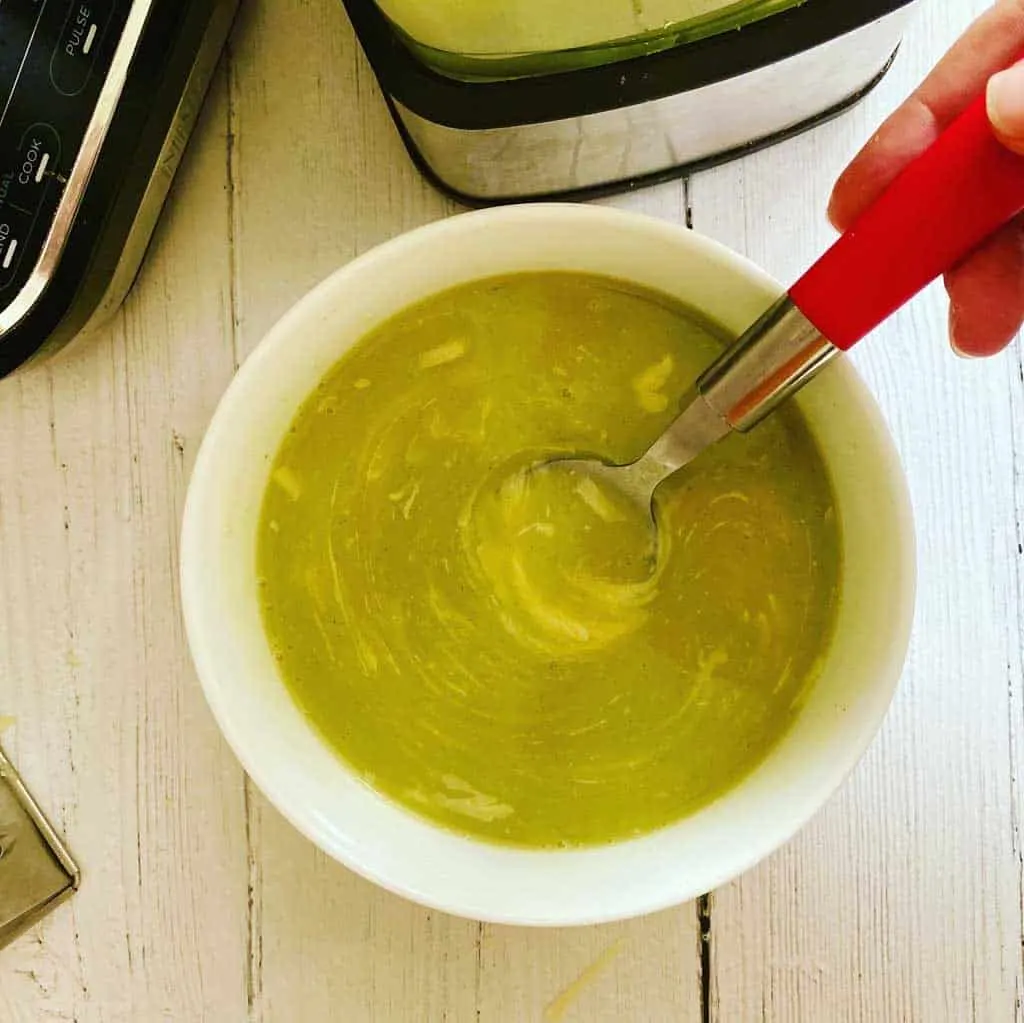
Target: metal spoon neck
x,y
774,358
780,353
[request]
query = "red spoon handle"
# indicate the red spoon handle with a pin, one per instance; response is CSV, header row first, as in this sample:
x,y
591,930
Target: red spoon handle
x,y
940,208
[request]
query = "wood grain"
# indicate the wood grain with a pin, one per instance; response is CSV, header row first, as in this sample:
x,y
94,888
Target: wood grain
x,y
112,734
902,901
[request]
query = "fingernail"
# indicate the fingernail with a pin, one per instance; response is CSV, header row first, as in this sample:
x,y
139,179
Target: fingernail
x,y
959,352
954,338
831,213
1006,102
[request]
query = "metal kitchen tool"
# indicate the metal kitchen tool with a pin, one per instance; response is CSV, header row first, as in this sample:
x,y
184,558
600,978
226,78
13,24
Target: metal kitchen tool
x,y
501,100
37,872
960,191
97,101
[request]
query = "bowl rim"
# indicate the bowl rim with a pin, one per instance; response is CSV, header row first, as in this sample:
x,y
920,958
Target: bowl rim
x,y
246,747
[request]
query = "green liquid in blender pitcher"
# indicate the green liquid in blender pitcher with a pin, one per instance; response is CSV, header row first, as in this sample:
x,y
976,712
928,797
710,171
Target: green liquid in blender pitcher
x,y
489,39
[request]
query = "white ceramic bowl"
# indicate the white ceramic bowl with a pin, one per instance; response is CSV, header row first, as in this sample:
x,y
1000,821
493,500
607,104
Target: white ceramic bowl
x,y
314,789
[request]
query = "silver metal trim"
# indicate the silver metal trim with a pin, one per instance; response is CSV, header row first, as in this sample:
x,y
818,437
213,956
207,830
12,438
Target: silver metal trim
x,y
178,135
550,157
773,359
81,173
10,775
36,848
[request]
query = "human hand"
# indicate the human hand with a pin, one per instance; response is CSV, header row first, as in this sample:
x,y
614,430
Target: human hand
x,y
986,291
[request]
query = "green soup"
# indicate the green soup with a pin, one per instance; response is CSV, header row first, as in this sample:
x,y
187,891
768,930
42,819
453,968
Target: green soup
x,y
501,648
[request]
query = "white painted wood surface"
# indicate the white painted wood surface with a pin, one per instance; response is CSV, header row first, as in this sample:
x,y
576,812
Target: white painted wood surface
x,y
902,901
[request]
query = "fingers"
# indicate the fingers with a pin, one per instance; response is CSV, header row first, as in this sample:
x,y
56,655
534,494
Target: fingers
x,y
907,134
987,47
992,42
1006,106
987,290
986,294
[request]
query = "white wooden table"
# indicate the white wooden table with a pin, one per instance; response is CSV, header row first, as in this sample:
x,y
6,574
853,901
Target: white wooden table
x,y
901,901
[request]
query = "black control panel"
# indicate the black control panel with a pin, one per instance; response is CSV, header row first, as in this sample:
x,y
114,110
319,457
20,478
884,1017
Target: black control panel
x,y
54,58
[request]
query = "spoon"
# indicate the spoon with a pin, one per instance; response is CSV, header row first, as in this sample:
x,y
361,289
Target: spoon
x,y
940,208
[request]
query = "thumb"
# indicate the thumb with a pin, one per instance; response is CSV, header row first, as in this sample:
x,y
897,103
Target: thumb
x,y
1006,106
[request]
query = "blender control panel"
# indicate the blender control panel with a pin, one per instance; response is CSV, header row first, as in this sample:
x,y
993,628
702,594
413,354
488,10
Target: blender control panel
x,y
54,57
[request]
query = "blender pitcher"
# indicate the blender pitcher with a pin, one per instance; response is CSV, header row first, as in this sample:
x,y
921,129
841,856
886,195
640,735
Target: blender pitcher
x,y
505,100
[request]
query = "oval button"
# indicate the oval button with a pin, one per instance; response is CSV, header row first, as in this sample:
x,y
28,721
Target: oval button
x,y
78,44
35,163
14,229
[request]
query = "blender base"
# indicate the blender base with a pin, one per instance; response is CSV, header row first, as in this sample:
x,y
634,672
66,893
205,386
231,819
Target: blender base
x,y
635,182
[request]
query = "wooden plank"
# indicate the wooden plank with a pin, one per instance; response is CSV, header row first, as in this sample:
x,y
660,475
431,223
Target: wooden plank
x,y
319,175
642,970
330,946
902,900
1015,667
326,941
112,732
645,971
